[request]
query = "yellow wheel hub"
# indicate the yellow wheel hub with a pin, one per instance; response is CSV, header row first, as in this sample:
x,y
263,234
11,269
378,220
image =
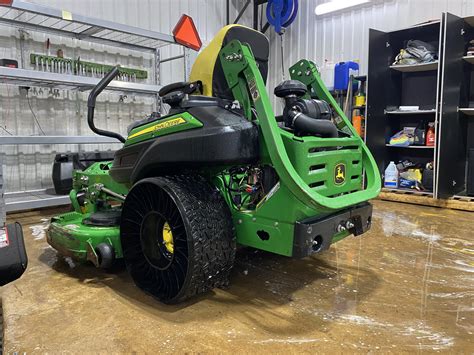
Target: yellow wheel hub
x,y
168,237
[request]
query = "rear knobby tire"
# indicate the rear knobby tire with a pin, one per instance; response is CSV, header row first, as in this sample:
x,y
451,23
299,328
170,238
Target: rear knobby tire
x,y
202,252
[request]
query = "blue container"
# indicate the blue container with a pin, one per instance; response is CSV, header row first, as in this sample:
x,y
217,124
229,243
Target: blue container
x,y
342,72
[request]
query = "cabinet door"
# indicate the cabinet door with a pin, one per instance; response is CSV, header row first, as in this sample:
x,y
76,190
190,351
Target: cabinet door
x,y
451,149
378,76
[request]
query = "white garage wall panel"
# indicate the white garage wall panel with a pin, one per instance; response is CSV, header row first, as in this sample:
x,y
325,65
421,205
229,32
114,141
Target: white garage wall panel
x,y
63,112
343,35
326,40
157,15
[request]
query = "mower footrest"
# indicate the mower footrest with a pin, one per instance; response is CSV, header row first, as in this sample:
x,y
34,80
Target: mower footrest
x,y
314,235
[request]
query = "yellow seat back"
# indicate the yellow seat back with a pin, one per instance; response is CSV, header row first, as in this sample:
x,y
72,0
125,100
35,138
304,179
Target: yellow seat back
x,y
207,67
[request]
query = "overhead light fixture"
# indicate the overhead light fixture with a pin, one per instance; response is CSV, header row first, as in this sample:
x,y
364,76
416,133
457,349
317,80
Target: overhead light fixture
x,y
336,5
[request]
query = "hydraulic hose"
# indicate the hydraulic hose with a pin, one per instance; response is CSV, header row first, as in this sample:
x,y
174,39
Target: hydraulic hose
x,y
305,124
91,105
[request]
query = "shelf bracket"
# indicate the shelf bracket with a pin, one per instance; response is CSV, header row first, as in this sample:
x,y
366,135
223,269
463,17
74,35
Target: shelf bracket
x,y
89,32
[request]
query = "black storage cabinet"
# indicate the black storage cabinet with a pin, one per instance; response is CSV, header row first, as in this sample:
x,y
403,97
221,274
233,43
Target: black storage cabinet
x,y
456,174
444,92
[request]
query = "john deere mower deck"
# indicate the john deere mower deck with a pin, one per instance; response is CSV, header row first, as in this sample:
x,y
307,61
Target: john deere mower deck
x,y
219,170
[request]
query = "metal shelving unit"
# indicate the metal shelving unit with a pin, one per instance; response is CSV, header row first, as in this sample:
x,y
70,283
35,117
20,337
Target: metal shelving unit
x,y
463,197
34,17
415,67
27,77
37,17
408,191
469,58
469,111
410,146
32,140
25,200
415,112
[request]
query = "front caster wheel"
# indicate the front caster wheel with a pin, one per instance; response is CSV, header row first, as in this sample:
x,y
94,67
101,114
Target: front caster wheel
x,y
105,255
177,237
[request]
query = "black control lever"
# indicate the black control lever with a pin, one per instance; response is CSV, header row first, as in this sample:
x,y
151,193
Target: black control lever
x,y
91,105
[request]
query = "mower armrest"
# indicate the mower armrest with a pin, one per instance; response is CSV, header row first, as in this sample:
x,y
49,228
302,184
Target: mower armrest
x,y
185,87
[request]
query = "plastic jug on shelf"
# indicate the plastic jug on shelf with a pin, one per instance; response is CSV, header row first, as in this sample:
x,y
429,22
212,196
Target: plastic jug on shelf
x,y
391,176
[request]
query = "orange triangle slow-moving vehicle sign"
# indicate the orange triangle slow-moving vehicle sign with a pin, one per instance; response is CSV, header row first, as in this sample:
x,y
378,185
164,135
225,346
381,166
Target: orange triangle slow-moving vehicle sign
x,y
185,33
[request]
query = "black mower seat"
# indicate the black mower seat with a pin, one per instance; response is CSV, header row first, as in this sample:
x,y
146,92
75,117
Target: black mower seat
x,y
207,75
208,69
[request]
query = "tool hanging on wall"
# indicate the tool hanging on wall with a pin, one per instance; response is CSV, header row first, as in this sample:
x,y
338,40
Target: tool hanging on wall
x,y
281,14
47,46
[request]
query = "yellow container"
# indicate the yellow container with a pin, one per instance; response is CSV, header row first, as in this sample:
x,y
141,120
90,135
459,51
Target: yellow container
x,y
359,100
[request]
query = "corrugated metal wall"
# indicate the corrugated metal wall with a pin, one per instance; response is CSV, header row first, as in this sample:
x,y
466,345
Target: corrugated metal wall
x,y
326,40
344,35
63,112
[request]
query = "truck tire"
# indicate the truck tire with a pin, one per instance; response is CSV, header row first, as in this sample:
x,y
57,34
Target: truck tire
x,y
177,237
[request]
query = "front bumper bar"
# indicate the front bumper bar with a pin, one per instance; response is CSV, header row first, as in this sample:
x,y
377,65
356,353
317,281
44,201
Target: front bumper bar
x,y
315,234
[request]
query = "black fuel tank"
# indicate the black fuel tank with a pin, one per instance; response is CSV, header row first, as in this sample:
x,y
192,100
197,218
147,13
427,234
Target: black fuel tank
x,y
226,138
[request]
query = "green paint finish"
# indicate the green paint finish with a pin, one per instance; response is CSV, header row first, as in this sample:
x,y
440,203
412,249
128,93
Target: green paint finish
x,y
68,235
253,231
306,72
238,63
306,166
276,217
319,171
161,127
74,202
90,182
98,173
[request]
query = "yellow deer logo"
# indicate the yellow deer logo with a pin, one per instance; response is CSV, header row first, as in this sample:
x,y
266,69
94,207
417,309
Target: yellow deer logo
x,y
340,174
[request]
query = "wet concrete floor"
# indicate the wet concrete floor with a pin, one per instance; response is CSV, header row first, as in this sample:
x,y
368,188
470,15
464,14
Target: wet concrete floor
x,y
406,286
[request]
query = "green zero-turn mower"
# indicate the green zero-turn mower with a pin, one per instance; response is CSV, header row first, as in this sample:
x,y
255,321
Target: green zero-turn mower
x,y
220,169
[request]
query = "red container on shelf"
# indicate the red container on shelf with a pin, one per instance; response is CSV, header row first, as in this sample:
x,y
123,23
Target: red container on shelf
x,y
430,135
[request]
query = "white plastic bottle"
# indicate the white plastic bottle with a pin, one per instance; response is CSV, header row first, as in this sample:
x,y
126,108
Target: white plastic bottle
x,y
391,176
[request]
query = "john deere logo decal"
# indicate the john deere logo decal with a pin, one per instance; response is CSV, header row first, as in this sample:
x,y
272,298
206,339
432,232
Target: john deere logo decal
x,y
340,174
169,123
